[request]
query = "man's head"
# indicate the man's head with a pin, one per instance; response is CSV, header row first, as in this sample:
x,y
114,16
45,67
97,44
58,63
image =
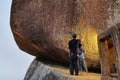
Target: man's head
x,y
74,35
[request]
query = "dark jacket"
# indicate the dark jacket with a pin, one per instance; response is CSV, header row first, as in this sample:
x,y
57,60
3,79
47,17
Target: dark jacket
x,y
73,46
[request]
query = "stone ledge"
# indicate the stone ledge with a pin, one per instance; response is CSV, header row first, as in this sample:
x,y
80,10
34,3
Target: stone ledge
x,y
41,71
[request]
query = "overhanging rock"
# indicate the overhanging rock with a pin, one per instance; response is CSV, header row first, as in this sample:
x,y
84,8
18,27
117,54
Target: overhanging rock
x,y
42,27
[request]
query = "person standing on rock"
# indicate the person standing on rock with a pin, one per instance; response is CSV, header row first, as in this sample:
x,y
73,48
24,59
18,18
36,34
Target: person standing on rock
x,y
73,55
81,63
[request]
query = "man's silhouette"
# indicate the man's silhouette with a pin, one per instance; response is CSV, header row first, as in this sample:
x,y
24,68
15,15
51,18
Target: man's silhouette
x,y
73,55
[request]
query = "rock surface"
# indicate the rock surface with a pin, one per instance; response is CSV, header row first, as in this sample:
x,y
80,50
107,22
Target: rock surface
x,y
40,71
42,27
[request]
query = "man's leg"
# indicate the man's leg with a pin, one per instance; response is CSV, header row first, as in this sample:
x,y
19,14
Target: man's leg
x,y
71,67
76,67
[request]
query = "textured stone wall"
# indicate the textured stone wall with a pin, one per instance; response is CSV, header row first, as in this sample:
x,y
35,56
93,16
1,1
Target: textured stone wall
x,y
114,13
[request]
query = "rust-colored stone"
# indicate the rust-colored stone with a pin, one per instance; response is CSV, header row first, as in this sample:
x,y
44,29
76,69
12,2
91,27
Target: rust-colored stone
x,y
42,27
109,48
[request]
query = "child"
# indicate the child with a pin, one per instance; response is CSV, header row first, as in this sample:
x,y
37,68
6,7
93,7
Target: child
x,y
81,61
83,66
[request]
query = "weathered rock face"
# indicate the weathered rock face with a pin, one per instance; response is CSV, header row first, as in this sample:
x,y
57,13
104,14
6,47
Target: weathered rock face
x,y
42,27
39,71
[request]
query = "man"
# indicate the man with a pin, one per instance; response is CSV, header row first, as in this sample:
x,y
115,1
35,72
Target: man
x,y
73,55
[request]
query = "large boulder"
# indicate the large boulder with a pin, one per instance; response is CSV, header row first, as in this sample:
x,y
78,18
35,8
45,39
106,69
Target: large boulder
x,y
43,27
40,27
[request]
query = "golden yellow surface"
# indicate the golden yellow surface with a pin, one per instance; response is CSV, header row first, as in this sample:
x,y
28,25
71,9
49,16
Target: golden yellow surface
x,y
81,76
